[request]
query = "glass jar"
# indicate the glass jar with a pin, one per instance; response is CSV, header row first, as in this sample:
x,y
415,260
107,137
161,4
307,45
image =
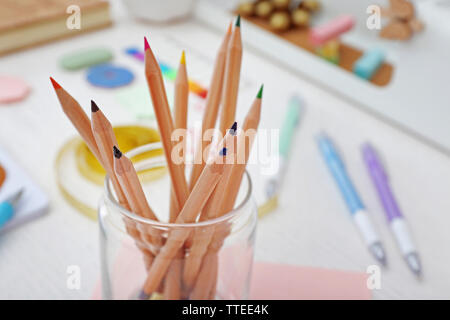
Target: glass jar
x,y
214,262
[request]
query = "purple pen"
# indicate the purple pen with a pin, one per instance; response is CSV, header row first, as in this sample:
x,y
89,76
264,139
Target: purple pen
x,y
394,216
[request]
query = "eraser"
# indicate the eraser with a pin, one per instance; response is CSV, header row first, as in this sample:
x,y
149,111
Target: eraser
x,y
331,30
329,51
85,58
369,63
12,89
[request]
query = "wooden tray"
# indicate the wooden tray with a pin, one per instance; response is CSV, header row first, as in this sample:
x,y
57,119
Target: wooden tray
x,y
348,54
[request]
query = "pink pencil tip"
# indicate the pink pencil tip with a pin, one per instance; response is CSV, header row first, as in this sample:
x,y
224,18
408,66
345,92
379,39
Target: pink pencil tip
x,y
55,84
146,45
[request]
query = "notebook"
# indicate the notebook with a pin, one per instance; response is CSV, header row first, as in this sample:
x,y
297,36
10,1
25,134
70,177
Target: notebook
x,y
27,23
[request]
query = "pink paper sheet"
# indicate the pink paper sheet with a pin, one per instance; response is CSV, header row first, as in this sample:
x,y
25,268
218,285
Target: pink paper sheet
x,y
272,281
287,282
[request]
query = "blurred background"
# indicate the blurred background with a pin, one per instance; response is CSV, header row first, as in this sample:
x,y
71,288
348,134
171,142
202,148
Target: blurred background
x,y
355,71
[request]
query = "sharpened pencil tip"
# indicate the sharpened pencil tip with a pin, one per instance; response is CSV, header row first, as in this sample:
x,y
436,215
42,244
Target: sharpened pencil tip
x,y
117,152
223,152
238,21
146,45
260,92
183,58
94,107
55,84
233,129
230,28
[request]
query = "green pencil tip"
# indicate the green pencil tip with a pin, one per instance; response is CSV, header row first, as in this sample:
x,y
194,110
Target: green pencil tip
x,y
260,92
238,21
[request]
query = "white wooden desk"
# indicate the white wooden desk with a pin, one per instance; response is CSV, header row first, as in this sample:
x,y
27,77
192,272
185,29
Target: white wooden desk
x,y
311,227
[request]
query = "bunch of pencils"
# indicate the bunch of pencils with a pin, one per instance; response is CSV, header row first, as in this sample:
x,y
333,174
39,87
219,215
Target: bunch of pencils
x,y
181,263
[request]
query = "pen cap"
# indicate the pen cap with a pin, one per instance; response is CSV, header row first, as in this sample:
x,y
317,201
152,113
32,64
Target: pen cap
x,y
291,121
372,161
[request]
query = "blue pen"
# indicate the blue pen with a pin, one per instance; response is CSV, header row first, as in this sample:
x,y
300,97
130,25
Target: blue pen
x,y
8,206
351,197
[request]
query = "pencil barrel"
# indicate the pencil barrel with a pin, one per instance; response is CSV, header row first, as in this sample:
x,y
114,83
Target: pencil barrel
x,y
135,265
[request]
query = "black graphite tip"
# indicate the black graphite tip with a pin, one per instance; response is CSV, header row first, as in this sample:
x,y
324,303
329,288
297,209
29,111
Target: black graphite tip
x,y
233,129
117,152
94,107
223,152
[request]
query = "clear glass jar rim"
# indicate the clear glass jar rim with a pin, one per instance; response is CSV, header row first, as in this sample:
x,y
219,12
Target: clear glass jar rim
x,y
152,146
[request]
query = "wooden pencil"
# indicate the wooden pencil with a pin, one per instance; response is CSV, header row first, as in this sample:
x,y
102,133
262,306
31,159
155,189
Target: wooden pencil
x,y
128,178
206,183
180,118
213,208
212,107
202,190
165,123
172,282
202,287
78,117
231,78
129,181
215,274
181,94
249,127
106,140
203,235
82,124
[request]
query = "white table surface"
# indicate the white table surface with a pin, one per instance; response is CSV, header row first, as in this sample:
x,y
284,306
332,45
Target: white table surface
x,y
311,226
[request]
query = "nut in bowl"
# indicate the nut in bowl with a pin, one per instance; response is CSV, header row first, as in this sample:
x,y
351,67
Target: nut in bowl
x,y
280,15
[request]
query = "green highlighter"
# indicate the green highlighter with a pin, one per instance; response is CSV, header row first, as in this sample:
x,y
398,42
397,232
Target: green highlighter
x,y
290,124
